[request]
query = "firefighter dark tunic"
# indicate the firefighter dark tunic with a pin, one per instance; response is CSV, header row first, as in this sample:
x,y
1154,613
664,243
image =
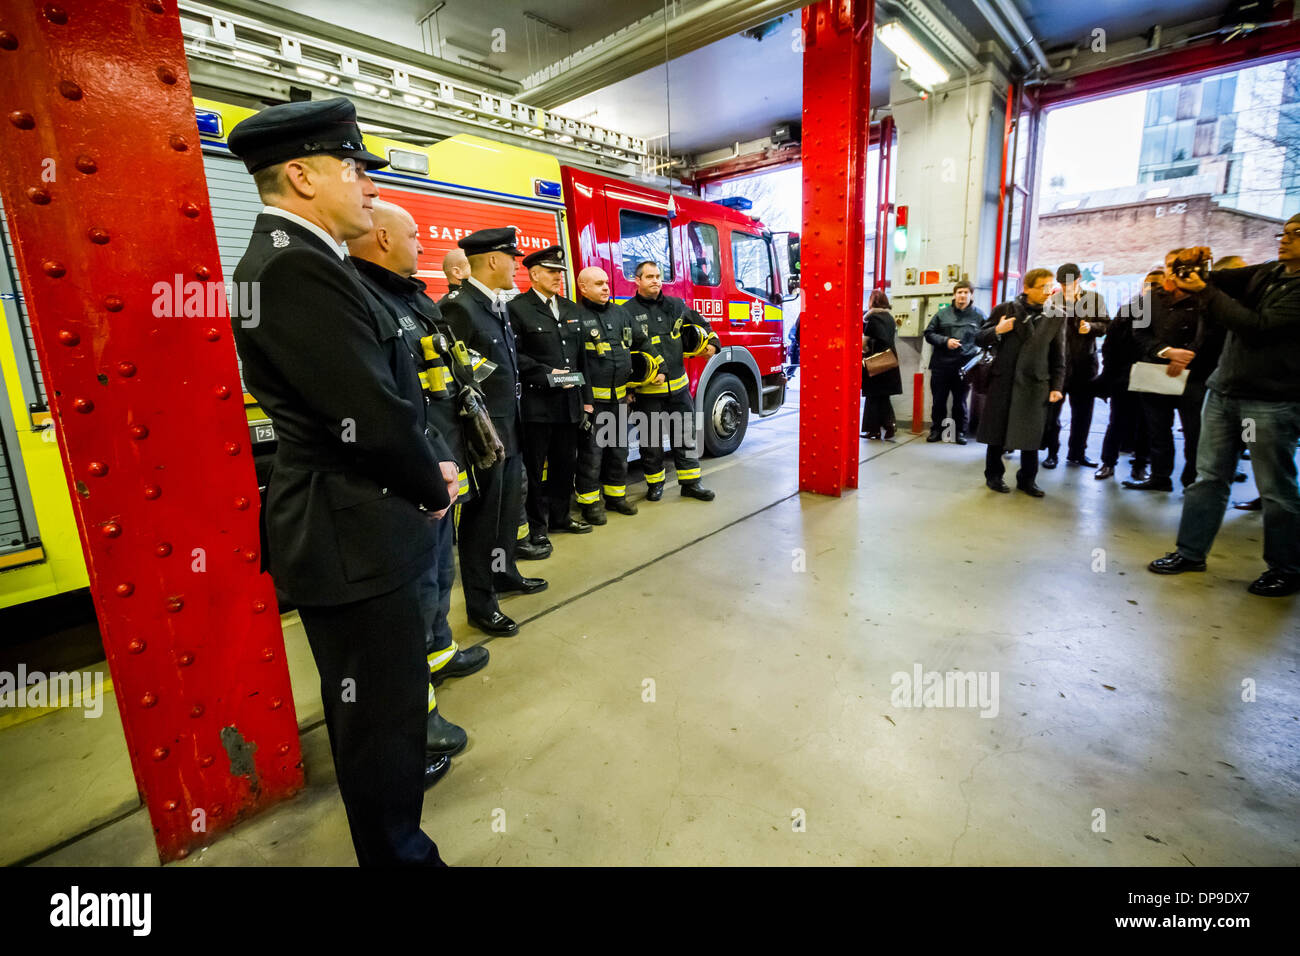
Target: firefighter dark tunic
x,y
661,320
608,340
489,522
551,413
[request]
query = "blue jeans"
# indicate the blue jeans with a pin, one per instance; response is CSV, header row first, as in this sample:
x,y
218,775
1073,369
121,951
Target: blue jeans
x,y
1272,453
435,587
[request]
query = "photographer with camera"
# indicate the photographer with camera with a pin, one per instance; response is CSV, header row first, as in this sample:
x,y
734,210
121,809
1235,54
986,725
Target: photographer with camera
x,y
1253,397
1172,336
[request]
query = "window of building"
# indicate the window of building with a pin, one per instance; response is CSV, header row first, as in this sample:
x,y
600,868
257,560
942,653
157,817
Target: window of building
x,y
1189,100
1204,142
702,253
1227,134
643,237
1181,138
753,265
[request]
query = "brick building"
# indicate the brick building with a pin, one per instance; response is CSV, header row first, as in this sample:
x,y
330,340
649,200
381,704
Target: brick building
x,y
1128,230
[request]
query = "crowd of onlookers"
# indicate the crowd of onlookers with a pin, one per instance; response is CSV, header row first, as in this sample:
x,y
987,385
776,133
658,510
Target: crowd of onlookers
x,y
1215,343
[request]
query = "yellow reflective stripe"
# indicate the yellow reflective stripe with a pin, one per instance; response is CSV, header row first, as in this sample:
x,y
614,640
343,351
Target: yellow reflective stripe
x,y
657,388
439,659
615,491
545,465
688,474
478,362
462,483
588,497
654,340
655,479
677,383
433,700
604,393
439,376
424,381
522,532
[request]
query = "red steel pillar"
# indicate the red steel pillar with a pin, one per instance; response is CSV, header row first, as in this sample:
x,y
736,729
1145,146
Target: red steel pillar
x,y
103,182
836,102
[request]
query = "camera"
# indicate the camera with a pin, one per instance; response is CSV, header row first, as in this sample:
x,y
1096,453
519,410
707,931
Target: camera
x,y
1193,261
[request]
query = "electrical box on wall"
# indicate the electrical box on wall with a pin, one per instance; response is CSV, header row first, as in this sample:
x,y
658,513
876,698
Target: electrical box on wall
x,y
917,305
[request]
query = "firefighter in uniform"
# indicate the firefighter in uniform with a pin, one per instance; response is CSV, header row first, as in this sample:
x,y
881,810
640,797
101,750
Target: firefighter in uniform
x,y
550,344
357,484
488,523
668,323
387,258
611,348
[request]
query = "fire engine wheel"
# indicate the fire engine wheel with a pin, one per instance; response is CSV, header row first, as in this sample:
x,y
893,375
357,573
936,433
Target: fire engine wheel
x,y
726,414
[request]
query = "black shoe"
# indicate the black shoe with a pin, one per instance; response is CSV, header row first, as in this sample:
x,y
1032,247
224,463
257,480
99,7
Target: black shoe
x,y
998,485
1050,461
572,525
497,625
871,436
1174,563
1032,490
890,432
504,585
529,551
1085,462
1256,505
1105,471
594,514
654,491
621,505
442,738
1151,484
464,662
1239,476
435,769
693,490
960,440
933,437
1275,584
1139,473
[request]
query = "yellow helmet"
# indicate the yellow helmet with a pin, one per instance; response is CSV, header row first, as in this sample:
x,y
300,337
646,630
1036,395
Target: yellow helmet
x,y
645,367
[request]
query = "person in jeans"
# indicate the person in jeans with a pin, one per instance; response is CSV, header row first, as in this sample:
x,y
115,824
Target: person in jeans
x,y
951,334
878,330
1127,429
1173,336
1253,398
1086,320
1028,373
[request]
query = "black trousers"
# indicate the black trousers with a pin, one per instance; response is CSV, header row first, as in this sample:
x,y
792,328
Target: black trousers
x,y
945,384
993,467
671,416
553,446
487,534
1081,398
374,687
1158,410
602,454
877,414
1127,430
435,587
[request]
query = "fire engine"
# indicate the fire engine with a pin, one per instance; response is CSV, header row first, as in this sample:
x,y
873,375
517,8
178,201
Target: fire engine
x,y
714,256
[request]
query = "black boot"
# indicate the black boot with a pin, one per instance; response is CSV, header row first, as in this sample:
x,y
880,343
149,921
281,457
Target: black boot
x,y
693,490
654,491
464,662
442,738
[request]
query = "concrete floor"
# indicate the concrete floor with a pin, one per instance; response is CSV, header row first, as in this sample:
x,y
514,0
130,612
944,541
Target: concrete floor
x,y
772,625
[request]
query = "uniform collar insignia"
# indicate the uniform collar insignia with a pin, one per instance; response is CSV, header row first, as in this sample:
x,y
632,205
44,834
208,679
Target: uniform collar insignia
x,y
279,238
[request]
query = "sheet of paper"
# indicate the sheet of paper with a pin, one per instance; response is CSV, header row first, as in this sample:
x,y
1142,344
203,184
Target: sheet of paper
x,y
1154,377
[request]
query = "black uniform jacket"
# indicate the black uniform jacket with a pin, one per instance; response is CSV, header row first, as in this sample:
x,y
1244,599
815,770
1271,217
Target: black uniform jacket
x,y
1081,365
608,338
1028,365
353,465
419,317
545,344
660,321
469,313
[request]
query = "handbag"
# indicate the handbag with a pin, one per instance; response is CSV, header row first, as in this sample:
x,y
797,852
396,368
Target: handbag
x,y
880,362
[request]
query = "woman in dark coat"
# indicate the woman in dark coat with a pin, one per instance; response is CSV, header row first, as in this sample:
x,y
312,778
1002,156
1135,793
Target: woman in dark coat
x,y
878,330
1028,373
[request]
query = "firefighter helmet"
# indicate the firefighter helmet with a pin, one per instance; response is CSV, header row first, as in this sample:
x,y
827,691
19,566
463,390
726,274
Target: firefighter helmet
x,y
644,368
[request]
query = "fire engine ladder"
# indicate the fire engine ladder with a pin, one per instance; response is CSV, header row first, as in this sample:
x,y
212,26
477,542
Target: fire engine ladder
x,y
241,55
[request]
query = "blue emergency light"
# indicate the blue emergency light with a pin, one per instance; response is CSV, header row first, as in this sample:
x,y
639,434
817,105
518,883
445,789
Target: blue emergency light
x,y
546,188
738,203
209,123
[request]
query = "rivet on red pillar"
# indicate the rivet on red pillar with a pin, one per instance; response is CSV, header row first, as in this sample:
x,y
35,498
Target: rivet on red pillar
x,y
836,103
106,204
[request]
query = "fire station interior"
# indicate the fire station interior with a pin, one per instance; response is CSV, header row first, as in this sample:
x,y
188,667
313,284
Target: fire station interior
x,y
740,681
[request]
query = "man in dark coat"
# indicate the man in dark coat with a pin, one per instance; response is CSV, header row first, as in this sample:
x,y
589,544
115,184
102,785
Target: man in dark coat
x,y
488,523
1028,372
387,258
1127,428
951,334
1086,320
549,341
357,483
1253,397
878,331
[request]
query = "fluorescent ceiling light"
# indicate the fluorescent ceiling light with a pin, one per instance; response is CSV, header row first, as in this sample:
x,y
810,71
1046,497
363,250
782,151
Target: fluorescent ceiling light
x,y
364,87
318,75
924,68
